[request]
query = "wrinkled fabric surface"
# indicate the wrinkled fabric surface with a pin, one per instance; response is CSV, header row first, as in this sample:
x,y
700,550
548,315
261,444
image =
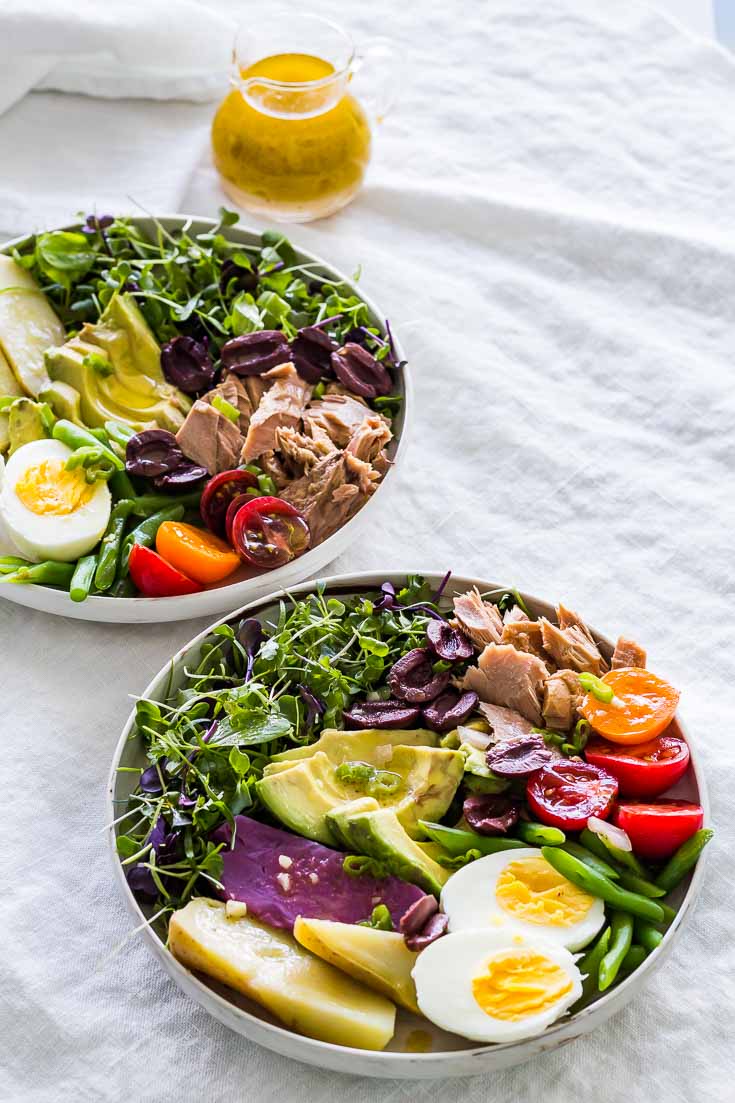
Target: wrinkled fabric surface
x,y
550,225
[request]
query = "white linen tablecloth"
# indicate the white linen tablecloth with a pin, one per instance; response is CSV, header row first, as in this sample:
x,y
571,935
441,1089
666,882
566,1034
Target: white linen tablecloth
x,y
550,223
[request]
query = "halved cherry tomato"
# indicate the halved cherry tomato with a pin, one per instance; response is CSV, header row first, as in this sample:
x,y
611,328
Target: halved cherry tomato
x,y
199,554
642,706
565,794
644,769
219,492
154,577
238,501
269,532
657,830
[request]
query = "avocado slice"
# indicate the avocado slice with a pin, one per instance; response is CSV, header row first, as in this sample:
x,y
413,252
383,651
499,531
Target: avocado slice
x,y
25,424
301,793
367,745
364,827
115,366
64,400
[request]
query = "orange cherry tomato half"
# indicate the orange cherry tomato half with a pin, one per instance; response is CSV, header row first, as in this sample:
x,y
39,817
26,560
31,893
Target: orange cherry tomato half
x,y
642,706
154,577
199,554
268,532
658,830
643,769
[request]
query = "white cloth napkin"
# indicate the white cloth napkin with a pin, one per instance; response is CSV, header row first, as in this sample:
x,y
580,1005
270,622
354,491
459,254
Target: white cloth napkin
x,y
550,226
63,154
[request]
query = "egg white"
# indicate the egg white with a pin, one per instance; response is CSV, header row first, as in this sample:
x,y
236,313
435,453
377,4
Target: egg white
x,y
62,537
469,900
444,972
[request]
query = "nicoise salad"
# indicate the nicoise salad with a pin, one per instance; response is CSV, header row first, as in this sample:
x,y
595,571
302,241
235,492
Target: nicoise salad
x,y
397,800
177,407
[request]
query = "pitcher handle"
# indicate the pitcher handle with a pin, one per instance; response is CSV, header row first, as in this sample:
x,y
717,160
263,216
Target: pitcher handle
x,y
378,89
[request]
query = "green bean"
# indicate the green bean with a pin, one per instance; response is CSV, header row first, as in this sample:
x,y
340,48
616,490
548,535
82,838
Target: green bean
x,y
603,848
669,914
146,504
74,436
145,533
83,577
635,956
110,548
10,563
647,935
589,966
121,486
101,436
640,885
118,432
591,860
598,885
48,573
123,587
680,863
621,926
457,842
538,834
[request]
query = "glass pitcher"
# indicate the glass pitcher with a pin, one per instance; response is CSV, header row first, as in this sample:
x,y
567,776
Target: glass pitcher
x,y
290,141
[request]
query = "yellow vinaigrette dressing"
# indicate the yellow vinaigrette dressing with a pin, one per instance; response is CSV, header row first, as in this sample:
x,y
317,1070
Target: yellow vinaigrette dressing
x,y
297,149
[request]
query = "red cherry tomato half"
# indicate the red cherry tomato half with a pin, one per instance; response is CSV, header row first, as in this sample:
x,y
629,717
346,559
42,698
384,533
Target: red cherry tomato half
x,y
217,495
657,830
643,770
154,577
237,502
565,794
268,532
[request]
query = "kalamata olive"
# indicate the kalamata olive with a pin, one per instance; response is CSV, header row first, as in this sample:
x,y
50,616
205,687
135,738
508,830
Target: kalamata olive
x,y
447,642
312,351
152,452
186,364
381,714
488,814
449,709
417,915
246,279
255,353
186,474
360,372
413,679
518,757
434,928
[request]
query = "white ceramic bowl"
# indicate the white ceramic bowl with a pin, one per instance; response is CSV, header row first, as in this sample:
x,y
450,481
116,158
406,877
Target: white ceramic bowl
x,y
450,1055
247,586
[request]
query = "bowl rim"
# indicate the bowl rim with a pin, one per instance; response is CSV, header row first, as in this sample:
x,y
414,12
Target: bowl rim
x,y
554,1036
187,606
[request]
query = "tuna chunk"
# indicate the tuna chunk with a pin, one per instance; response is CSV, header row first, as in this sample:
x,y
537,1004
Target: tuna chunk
x,y
572,647
562,694
513,679
339,415
369,440
232,390
513,614
504,723
281,407
302,452
209,438
628,653
255,387
273,466
527,635
478,619
328,495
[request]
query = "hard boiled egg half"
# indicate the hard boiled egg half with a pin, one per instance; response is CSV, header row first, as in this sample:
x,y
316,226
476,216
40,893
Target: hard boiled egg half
x,y
492,986
48,511
518,892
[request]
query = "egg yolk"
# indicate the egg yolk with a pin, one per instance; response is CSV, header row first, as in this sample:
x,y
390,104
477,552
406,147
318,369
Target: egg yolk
x,y
48,489
520,984
532,890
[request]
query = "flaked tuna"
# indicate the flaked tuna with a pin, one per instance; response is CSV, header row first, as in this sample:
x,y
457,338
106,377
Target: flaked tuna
x,y
338,415
562,694
478,619
504,723
282,406
628,653
513,679
209,438
330,493
572,647
370,438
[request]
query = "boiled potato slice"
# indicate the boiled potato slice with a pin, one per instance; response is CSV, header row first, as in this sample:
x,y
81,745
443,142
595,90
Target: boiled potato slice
x,y
28,326
379,959
305,993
